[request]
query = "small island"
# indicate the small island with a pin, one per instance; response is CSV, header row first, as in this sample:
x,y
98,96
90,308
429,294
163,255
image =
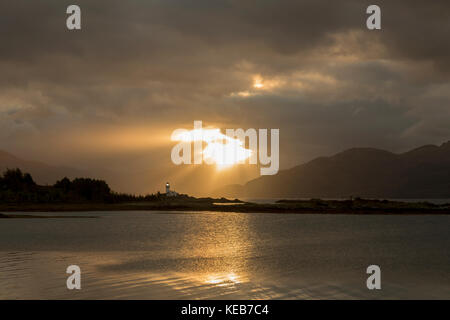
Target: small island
x,y
19,193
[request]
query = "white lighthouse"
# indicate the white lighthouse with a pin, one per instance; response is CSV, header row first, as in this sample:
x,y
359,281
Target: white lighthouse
x,y
170,193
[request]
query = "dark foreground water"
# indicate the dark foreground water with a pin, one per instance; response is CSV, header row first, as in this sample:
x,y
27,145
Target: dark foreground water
x,y
150,255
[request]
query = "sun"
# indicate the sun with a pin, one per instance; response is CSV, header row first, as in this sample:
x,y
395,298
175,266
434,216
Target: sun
x,y
222,150
225,153
258,82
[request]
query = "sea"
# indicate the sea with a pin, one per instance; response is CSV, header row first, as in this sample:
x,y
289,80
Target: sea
x,y
224,255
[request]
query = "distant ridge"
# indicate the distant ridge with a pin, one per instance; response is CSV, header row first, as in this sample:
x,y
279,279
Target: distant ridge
x,y
41,172
366,172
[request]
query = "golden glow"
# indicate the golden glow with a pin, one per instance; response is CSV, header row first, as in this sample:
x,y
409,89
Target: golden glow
x,y
223,280
222,150
260,85
258,82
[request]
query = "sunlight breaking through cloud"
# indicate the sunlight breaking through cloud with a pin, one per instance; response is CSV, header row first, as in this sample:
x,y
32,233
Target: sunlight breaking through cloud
x,y
222,150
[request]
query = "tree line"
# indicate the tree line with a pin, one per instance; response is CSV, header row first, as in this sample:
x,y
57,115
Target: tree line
x,y
19,187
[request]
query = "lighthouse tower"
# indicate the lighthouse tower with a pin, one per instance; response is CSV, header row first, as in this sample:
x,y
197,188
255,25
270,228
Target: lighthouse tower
x,y
170,193
167,188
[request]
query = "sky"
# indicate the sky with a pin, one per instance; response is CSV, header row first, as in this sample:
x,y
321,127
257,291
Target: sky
x,y
106,98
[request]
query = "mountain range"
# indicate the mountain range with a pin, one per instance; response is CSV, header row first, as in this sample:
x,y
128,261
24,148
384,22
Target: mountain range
x,y
365,172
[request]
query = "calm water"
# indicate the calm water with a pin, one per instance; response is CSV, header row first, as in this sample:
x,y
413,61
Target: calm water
x,y
273,200
149,255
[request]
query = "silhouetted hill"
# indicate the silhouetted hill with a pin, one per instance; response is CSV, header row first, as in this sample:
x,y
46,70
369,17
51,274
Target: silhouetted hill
x,y
41,172
420,173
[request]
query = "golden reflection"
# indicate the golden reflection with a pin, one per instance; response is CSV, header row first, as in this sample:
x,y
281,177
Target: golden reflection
x,y
224,280
207,256
222,245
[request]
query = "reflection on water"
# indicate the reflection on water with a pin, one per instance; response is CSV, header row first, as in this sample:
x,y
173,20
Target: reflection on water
x,y
219,270
138,255
42,276
222,280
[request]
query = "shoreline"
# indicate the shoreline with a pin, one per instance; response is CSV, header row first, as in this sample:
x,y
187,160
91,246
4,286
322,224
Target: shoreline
x,y
26,216
313,206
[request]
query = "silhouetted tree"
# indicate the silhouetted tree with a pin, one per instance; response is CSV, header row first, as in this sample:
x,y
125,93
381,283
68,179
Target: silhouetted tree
x,y
63,184
14,180
18,187
84,189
